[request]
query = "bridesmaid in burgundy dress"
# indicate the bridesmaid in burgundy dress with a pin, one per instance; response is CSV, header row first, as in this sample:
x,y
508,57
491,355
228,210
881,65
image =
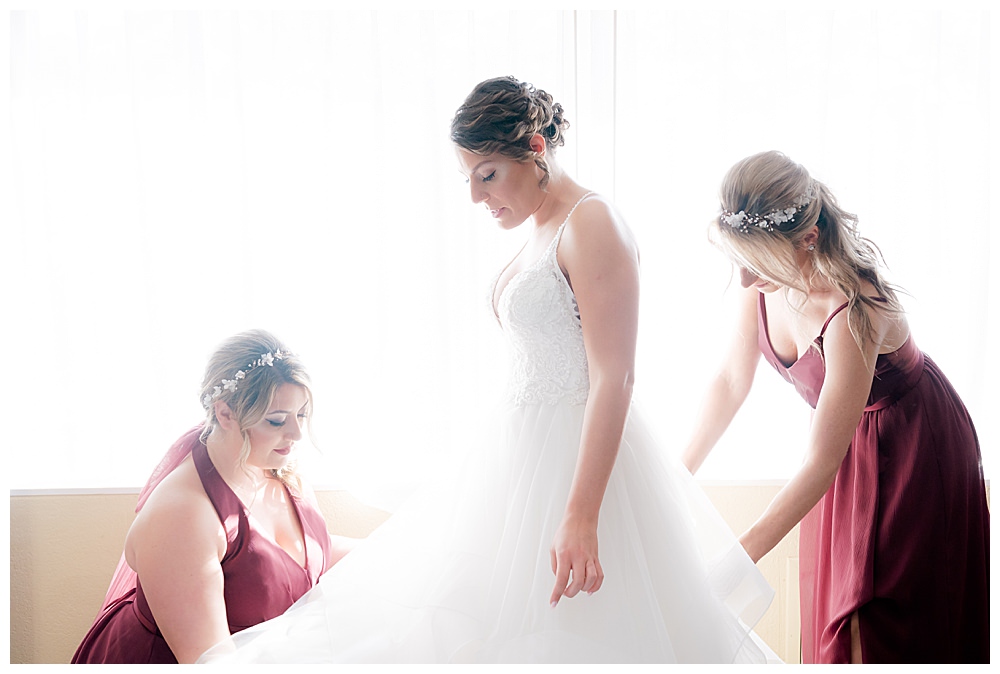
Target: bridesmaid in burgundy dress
x,y
894,536
226,535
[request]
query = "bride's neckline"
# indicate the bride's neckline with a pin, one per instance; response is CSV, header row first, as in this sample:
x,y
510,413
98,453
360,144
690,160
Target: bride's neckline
x,y
495,298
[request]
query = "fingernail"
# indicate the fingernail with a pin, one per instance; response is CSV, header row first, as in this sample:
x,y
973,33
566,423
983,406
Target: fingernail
x,y
553,604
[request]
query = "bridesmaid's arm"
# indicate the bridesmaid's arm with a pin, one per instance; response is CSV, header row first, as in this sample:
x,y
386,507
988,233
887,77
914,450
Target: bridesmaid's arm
x,y
849,373
729,387
600,258
176,545
339,547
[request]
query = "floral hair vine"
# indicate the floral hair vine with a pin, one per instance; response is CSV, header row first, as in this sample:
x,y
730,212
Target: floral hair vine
x,y
230,384
769,221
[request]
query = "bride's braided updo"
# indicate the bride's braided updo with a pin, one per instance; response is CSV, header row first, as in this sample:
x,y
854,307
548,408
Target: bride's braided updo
x,y
502,114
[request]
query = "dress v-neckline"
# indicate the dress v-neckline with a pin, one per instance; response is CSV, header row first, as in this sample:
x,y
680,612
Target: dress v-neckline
x,y
497,300
273,541
817,341
767,337
258,530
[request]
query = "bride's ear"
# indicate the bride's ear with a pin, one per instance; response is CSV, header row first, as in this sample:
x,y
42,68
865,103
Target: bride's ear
x,y
537,144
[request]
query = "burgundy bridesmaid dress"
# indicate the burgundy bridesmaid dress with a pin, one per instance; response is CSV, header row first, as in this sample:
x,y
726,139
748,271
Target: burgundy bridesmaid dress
x,y
902,535
261,579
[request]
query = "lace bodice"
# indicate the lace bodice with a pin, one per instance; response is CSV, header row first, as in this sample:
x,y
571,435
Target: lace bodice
x,y
541,321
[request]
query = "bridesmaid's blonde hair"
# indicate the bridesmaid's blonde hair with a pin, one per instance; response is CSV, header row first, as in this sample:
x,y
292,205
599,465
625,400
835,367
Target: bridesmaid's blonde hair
x,y
255,364
756,231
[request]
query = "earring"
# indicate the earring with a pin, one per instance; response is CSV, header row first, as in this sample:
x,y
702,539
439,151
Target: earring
x,y
811,247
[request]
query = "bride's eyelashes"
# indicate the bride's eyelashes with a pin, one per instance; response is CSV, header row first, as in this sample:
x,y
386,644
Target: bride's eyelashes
x,y
484,179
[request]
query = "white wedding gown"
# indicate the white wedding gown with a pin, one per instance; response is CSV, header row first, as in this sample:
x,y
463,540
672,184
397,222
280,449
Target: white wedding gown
x,y
463,573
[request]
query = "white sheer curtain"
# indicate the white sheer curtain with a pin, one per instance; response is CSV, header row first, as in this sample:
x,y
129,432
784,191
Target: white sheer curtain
x,y
892,109
181,176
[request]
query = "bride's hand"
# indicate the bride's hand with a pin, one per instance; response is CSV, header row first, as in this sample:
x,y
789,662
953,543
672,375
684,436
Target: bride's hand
x,y
574,553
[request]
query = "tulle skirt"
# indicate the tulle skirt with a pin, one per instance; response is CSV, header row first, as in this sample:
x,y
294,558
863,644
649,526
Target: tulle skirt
x,y
463,573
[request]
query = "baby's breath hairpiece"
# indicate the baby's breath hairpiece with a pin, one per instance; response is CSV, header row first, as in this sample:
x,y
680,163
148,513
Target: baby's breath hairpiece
x,y
769,221
230,384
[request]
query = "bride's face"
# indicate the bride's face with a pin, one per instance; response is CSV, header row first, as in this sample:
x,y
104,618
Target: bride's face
x,y
508,188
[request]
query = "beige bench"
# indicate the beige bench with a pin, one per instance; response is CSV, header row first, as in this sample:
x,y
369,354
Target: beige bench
x,y
64,548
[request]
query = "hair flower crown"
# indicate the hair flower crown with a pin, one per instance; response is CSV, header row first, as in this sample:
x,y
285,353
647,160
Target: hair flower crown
x,y
230,384
769,221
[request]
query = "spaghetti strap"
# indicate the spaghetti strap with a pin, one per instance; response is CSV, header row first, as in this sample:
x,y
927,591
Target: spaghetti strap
x,y
555,240
841,308
549,253
835,312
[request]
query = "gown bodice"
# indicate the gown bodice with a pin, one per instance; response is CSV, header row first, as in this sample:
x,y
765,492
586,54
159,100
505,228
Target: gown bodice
x,y
540,319
895,373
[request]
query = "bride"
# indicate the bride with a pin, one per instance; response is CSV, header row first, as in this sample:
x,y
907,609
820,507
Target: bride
x,y
570,536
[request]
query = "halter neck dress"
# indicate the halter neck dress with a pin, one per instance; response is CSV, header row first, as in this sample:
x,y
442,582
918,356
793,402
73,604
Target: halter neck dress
x,y
902,535
261,579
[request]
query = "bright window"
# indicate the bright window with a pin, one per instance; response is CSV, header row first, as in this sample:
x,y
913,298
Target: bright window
x,y
181,176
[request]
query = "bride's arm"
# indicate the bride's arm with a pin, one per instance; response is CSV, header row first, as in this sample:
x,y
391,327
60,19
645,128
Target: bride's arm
x,y
601,261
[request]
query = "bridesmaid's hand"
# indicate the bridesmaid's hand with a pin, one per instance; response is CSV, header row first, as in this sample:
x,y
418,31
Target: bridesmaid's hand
x,y
574,553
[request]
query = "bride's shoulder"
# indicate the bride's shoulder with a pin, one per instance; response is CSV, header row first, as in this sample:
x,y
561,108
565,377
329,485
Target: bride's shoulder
x,y
597,224
595,206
